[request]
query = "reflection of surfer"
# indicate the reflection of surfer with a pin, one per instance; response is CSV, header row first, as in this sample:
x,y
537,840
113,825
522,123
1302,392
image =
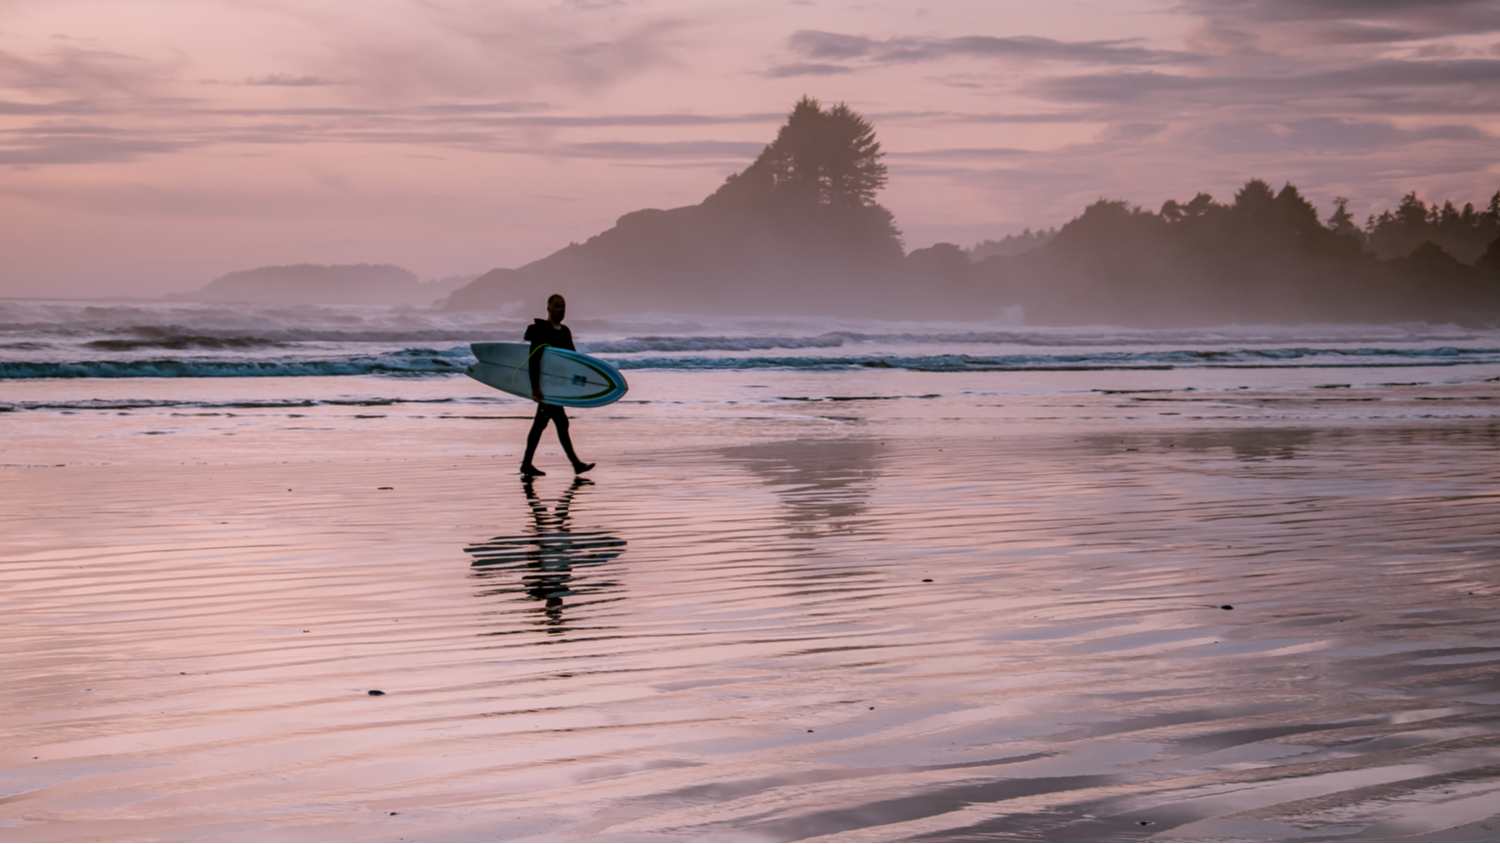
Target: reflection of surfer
x,y
543,333
549,555
555,522
554,571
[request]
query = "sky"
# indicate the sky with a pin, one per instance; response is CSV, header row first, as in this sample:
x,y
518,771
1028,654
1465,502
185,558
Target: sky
x,y
150,146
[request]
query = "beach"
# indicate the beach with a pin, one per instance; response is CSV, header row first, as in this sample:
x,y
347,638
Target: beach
x,y
873,605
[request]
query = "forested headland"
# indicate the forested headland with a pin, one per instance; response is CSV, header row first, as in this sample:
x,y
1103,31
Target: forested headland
x,y
1264,257
800,231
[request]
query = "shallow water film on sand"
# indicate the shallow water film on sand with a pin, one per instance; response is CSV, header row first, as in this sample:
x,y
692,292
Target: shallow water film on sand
x,y
1176,586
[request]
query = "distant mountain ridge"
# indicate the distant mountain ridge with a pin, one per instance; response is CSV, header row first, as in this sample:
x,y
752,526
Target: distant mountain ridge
x,y
319,284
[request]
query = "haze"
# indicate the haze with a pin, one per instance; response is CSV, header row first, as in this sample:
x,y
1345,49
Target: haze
x,y
150,146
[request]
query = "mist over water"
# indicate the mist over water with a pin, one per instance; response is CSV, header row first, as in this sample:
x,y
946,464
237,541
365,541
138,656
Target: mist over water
x,y
42,340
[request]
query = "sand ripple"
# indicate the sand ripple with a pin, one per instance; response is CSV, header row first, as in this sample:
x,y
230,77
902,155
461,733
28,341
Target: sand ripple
x,y
1262,633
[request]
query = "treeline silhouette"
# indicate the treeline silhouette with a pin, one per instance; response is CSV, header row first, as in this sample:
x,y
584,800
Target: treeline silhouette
x,y
799,231
1463,234
1266,257
1011,244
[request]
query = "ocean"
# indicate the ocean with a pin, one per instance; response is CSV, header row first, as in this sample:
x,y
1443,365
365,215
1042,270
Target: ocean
x,y
65,339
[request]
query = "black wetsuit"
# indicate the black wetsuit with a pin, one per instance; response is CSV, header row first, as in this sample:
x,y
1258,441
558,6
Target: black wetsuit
x,y
541,333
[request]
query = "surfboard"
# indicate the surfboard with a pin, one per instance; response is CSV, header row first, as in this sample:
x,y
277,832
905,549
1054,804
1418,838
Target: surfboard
x,y
570,379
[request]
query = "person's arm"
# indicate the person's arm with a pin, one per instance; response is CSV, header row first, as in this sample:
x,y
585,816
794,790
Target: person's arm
x,y
534,363
534,366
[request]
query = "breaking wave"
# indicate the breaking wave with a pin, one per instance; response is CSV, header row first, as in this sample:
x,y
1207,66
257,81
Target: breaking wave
x,y
40,340
406,362
422,362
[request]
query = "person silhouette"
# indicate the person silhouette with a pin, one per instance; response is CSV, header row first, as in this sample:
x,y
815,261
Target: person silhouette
x,y
541,334
552,559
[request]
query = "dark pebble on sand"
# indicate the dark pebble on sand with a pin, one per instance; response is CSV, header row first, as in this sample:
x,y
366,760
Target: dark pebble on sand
x,y
809,731
926,580
1226,607
376,693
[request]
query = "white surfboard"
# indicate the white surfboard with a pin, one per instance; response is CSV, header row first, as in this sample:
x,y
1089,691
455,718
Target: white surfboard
x,y
570,379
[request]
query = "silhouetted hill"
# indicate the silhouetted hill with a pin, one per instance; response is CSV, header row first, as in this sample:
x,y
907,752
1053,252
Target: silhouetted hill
x,y
317,284
798,232
715,257
435,291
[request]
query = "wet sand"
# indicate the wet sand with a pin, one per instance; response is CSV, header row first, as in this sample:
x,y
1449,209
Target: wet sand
x,y
850,622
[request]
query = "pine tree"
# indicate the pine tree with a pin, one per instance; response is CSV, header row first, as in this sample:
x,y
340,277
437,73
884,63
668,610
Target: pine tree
x,y
1341,222
817,182
828,157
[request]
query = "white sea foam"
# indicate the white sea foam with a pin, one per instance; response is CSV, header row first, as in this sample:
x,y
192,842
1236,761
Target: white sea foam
x,y
44,340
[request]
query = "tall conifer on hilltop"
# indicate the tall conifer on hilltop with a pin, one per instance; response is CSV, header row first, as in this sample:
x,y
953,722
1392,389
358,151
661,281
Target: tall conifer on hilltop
x,y
829,156
819,178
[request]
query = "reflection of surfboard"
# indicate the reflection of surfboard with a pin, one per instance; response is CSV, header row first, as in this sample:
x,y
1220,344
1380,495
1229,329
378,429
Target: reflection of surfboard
x,y
561,549
571,379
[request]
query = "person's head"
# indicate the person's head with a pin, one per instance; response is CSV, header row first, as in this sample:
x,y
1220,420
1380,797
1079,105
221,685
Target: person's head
x,y
557,307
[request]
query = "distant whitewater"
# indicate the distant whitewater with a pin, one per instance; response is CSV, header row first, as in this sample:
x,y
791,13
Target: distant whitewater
x,y
224,340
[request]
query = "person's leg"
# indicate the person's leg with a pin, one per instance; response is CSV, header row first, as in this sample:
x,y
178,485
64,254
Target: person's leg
x,y
560,418
534,438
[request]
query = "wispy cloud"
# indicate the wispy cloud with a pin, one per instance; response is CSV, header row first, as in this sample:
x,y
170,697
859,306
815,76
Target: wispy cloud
x,y
44,109
1131,132
734,151
825,49
85,148
1390,86
85,72
1020,117
287,80
480,50
782,71
634,120
454,125
1327,134
1338,22
961,153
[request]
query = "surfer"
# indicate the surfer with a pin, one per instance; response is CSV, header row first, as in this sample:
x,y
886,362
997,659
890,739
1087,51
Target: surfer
x,y
541,334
